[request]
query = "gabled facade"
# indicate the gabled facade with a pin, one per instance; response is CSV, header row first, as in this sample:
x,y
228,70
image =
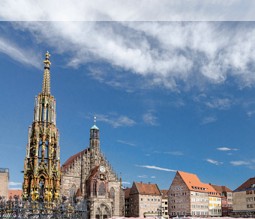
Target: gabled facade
x,y
127,202
189,196
164,204
244,198
145,200
214,202
226,199
89,175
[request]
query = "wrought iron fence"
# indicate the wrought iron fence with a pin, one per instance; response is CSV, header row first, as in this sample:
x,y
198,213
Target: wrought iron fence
x,y
16,208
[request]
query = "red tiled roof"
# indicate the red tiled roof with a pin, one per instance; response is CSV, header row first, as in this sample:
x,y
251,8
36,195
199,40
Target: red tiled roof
x,y
72,158
127,192
194,184
13,192
221,189
147,189
247,185
164,193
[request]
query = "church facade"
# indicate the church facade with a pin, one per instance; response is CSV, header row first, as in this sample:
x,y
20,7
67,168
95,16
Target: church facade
x,y
89,175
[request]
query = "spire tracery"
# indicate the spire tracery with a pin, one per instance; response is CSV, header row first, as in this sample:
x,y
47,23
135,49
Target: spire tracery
x,y
46,75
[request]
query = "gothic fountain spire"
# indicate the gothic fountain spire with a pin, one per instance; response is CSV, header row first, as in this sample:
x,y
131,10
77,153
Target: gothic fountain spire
x,y
46,75
42,160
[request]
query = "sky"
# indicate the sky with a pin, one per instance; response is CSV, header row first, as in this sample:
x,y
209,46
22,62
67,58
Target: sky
x,y
171,91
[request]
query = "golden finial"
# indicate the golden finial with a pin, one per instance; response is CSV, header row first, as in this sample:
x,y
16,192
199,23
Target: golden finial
x,y
47,62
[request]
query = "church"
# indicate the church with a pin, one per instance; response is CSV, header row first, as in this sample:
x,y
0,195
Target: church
x,y
89,175
86,176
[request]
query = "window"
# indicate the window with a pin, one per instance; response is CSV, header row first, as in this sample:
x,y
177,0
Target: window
x,y
101,190
112,193
94,189
249,192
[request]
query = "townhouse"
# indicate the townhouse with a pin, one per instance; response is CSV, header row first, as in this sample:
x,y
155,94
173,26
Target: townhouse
x,y
188,196
244,199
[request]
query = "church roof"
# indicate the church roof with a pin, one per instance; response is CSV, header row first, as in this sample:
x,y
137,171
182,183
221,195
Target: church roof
x,y
72,158
94,127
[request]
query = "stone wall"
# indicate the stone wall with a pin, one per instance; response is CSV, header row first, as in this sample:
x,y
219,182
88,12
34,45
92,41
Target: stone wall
x,y
179,198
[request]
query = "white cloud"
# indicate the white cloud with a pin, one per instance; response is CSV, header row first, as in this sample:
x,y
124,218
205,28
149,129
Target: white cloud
x,y
219,103
150,119
239,163
226,149
64,10
15,183
169,54
156,168
250,113
215,162
126,183
142,176
116,120
175,153
209,119
24,56
126,143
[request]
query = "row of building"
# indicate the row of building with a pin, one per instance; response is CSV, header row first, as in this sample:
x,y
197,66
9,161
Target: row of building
x,y
188,196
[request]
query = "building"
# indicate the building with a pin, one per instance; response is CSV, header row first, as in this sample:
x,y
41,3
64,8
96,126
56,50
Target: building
x,y
164,204
214,202
144,200
244,199
127,202
88,175
42,160
187,196
15,193
4,182
226,199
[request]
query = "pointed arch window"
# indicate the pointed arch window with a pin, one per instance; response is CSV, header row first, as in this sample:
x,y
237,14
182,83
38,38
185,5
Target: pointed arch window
x,y
101,190
94,189
46,149
47,112
40,150
112,193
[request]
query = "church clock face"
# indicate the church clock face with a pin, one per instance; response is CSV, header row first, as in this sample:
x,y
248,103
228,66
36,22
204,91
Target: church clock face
x,y
102,169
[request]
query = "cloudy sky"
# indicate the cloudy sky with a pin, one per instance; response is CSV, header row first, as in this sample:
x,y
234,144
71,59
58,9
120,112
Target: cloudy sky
x,y
171,85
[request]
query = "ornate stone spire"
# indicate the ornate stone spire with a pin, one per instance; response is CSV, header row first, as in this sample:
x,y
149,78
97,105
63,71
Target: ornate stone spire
x,y
46,76
42,161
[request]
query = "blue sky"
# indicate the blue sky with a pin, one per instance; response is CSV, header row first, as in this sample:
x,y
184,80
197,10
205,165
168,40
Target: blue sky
x,y
167,95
